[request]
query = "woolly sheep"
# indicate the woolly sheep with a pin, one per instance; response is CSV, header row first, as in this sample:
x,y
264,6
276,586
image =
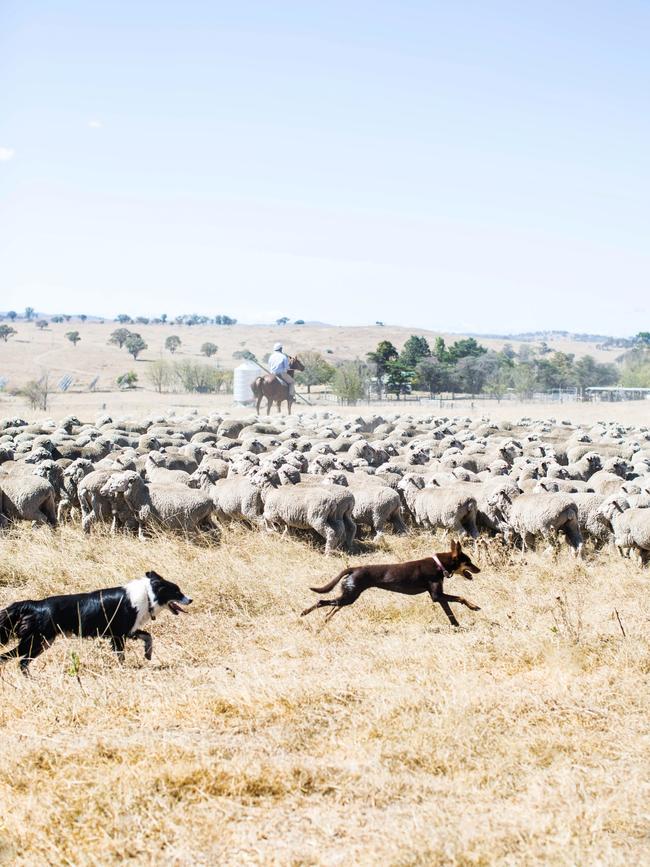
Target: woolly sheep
x,y
174,507
27,498
309,506
452,509
631,527
544,515
375,503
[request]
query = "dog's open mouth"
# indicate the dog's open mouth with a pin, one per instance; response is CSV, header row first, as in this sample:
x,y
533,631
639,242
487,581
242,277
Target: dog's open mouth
x,y
467,574
175,608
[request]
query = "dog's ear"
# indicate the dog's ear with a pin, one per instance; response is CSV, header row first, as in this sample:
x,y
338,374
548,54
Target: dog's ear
x,y
154,576
454,547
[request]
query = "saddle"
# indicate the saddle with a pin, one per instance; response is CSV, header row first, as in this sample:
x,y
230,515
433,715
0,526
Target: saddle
x,y
273,377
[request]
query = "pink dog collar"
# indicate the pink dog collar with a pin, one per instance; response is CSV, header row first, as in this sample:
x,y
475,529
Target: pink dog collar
x,y
440,566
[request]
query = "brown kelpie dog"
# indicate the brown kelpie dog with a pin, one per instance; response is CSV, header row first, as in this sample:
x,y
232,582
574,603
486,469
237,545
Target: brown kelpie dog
x,y
416,576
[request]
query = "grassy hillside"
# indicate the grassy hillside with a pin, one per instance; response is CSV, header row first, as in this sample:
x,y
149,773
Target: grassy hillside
x,y
32,351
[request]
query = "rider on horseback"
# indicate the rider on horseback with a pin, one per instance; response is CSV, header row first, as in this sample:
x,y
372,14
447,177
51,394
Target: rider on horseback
x,y
279,365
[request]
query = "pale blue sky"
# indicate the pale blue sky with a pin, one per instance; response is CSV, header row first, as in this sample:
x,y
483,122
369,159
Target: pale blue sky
x,y
474,166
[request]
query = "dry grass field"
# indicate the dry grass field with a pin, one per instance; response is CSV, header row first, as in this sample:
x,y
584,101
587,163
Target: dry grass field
x,y
258,737
32,351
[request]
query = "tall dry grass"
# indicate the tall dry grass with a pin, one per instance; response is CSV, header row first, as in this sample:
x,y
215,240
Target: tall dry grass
x,y
255,736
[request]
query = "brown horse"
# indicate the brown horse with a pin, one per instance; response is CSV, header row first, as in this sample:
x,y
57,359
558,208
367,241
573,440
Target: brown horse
x,y
273,389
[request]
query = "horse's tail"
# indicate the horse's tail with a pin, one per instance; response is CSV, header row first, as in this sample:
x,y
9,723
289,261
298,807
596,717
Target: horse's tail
x,y
256,386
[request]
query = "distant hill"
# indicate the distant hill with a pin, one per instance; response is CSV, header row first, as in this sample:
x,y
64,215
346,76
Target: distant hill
x,y
32,351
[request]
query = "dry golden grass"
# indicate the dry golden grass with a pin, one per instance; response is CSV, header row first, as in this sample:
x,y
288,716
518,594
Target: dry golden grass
x,y
255,736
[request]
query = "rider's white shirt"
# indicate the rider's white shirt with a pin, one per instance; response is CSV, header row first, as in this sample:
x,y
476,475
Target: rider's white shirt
x,y
278,362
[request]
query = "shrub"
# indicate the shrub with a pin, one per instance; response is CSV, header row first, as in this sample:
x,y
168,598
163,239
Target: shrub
x,y
127,380
244,354
317,371
36,392
73,336
209,349
160,374
350,382
194,376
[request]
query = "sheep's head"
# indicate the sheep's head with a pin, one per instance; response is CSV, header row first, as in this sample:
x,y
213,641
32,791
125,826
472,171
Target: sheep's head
x,y
265,477
619,467
122,483
255,447
69,422
593,460
612,507
288,475
335,478
51,471
410,482
37,456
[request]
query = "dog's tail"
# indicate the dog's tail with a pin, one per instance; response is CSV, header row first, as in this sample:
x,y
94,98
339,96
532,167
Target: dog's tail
x,y
332,584
15,621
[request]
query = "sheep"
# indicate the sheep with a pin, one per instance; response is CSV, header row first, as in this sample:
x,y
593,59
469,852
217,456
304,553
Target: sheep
x,y
243,464
51,471
156,471
309,506
591,521
452,509
172,460
72,476
95,506
493,499
174,506
584,468
360,450
210,470
375,504
605,483
235,498
631,527
27,498
545,515
566,486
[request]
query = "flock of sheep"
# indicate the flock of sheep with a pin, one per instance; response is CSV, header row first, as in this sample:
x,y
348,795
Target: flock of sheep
x,y
335,476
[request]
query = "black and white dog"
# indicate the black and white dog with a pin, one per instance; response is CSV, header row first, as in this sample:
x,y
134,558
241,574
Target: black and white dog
x,y
116,613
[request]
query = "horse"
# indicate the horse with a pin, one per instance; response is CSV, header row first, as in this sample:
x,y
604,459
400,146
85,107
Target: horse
x,y
273,389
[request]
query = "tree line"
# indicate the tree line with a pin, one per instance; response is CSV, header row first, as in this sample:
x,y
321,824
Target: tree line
x,y
468,367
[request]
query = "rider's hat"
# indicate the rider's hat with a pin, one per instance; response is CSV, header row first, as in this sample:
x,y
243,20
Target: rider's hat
x,y
277,347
